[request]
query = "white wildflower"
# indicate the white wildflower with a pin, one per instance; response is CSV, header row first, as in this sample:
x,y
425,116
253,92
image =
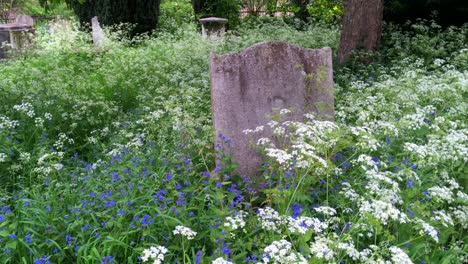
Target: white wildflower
x,y
302,224
443,193
399,256
281,156
427,229
279,252
382,210
25,157
221,261
3,157
325,210
236,222
443,217
269,219
155,254
320,249
350,250
184,231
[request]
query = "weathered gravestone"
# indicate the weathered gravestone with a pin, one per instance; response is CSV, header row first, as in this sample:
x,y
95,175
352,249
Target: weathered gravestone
x,y
213,28
99,37
247,87
15,36
24,20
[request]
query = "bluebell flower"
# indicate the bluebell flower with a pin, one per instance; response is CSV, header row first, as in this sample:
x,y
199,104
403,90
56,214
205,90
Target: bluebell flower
x,y
13,236
219,185
410,184
405,161
2,218
410,212
145,220
28,239
168,176
107,259
226,250
69,239
43,260
198,256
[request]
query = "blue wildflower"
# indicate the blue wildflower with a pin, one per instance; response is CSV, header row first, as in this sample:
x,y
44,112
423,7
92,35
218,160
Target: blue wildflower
x,y
28,239
410,184
107,259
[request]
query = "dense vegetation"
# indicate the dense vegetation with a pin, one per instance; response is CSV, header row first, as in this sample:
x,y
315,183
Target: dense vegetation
x,y
107,156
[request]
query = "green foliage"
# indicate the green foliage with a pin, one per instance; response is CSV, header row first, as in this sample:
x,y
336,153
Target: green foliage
x,y
328,11
175,14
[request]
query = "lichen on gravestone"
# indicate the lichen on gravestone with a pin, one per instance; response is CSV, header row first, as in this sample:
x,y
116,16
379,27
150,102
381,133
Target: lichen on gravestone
x,y
248,87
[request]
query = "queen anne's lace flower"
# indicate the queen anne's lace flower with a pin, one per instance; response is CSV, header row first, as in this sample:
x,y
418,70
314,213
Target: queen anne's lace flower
x,y
399,256
154,253
236,222
221,261
184,231
279,252
269,218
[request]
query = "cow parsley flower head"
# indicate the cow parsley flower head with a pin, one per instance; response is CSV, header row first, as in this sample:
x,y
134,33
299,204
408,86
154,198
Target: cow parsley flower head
x,y
325,210
269,218
236,222
302,224
279,252
155,253
221,261
321,250
184,231
399,256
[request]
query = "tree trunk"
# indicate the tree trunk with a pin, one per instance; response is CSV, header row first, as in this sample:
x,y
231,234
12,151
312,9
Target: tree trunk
x,y
362,26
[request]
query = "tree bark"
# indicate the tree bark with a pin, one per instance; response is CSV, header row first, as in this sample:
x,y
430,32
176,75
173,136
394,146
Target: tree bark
x,y
362,27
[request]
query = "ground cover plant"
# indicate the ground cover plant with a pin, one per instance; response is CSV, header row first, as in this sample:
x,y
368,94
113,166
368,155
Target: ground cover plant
x,y
107,156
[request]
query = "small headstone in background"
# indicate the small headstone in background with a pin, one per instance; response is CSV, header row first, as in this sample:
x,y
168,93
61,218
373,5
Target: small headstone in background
x,y
99,37
250,86
24,20
213,28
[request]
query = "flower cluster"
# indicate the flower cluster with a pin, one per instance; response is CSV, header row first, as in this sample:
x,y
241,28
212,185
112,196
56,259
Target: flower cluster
x,y
184,231
154,253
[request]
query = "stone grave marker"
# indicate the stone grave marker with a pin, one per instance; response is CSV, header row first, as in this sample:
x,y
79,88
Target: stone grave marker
x,y
213,28
99,37
248,87
15,36
24,20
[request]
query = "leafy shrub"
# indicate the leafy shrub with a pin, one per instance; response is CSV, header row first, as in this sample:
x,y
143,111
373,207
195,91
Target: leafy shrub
x,y
175,14
327,11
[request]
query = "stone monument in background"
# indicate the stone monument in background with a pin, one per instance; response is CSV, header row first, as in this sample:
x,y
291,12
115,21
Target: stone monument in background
x,y
248,87
16,36
213,28
99,37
